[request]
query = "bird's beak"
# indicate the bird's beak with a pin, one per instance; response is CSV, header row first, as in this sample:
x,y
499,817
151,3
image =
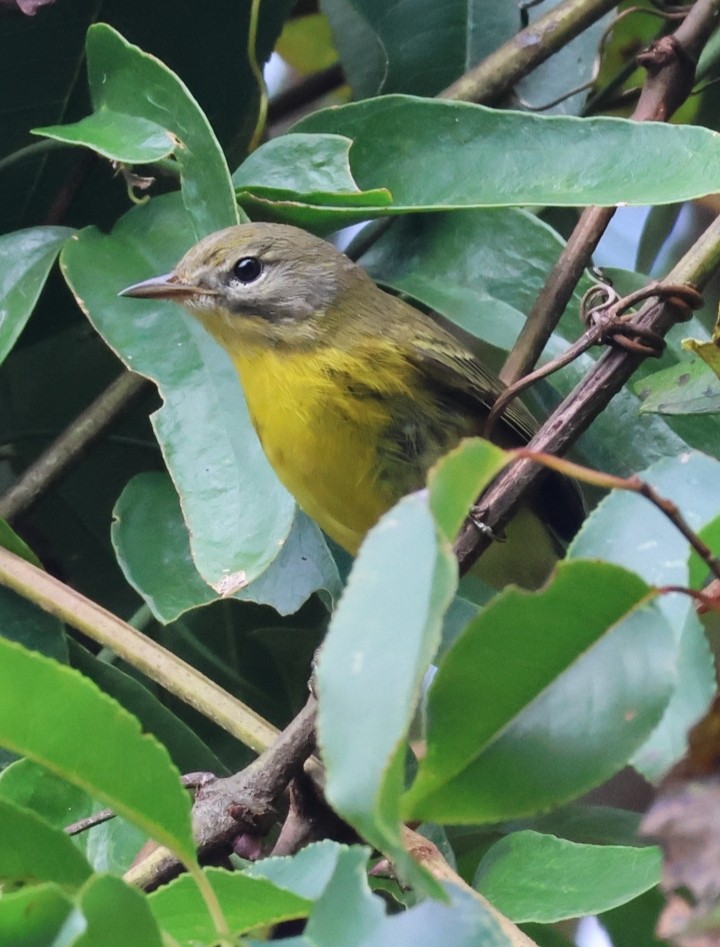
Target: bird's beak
x,y
164,287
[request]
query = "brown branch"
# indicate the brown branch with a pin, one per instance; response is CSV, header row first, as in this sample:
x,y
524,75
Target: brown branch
x,y
243,803
496,75
589,398
670,63
71,445
427,854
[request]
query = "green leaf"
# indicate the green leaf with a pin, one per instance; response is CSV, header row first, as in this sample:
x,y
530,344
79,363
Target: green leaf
x,y
34,916
382,637
634,924
689,387
55,800
27,624
26,257
126,138
246,902
10,540
306,873
138,102
110,846
115,913
20,619
434,155
628,530
331,874
108,755
187,750
533,877
237,512
34,851
308,169
153,548
458,478
422,47
501,743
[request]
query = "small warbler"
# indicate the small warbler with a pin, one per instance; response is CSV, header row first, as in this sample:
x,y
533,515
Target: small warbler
x,y
353,392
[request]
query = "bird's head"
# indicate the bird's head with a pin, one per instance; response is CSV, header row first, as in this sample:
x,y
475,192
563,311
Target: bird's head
x,y
259,282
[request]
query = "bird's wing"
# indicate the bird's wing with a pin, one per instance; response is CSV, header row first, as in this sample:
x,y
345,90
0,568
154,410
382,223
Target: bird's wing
x,y
448,364
453,368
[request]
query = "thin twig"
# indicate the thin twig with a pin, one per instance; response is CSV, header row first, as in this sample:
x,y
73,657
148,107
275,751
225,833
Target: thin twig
x,y
671,74
590,397
632,484
71,445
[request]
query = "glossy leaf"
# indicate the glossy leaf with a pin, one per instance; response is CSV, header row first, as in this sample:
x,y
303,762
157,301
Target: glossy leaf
x,y
689,387
34,915
153,548
45,55
628,530
127,138
459,478
333,874
533,877
499,744
422,47
467,265
237,513
382,637
139,102
110,846
308,169
246,902
34,851
187,750
20,619
434,155
113,911
108,756
26,257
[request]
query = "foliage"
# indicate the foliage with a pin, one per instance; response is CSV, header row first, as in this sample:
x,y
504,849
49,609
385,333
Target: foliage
x,y
143,121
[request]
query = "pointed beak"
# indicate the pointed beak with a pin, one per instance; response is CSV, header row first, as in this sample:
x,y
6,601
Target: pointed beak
x,y
164,287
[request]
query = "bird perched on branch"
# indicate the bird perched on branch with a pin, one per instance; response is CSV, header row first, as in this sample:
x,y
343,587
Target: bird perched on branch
x,y
353,392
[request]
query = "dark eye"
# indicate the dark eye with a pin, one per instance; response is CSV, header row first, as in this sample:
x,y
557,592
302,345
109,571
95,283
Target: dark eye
x,y
248,269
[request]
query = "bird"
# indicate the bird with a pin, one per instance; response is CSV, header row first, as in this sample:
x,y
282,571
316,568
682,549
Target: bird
x,y
355,393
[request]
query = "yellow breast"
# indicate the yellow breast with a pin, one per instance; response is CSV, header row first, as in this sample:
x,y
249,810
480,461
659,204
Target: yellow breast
x,y
320,440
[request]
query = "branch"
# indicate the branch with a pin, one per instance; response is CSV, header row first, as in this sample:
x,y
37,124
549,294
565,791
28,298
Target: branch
x,y
141,652
671,72
427,854
71,445
495,76
245,802
587,401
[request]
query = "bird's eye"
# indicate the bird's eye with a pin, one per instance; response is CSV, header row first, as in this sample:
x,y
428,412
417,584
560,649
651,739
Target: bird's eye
x,y
247,269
